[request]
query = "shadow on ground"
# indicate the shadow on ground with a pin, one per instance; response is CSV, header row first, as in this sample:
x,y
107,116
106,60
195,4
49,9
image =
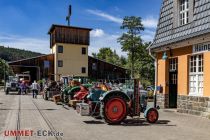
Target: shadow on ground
x,y
143,122
93,122
49,109
133,122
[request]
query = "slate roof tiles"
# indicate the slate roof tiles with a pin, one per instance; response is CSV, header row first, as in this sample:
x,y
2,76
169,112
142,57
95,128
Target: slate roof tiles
x,y
167,33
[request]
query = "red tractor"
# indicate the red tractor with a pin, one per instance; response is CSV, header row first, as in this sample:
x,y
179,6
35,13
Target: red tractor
x,y
82,94
116,105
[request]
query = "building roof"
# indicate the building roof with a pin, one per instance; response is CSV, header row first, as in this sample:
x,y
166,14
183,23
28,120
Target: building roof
x,y
70,27
167,32
106,62
40,56
46,55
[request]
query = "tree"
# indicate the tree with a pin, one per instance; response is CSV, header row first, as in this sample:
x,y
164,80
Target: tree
x,y
145,64
131,40
105,54
110,56
94,55
5,70
123,61
12,54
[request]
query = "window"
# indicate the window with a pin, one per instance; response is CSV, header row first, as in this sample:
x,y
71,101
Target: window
x,y
60,63
60,49
83,50
184,12
173,64
83,70
196,75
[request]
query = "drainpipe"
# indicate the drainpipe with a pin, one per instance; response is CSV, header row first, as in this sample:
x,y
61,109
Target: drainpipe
x,y
155,91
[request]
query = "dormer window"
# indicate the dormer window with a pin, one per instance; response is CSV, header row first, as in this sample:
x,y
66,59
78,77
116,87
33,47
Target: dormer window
x,y
184,12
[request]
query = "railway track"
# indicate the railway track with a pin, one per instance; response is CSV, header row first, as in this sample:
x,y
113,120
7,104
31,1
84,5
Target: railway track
x,y
46,120
49,124
18,118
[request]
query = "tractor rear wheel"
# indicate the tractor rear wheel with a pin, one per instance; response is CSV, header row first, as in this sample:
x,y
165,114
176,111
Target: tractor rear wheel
x,y
152,115
115,109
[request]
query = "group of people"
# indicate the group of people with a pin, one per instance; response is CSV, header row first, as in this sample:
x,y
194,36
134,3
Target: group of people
x,y
35,87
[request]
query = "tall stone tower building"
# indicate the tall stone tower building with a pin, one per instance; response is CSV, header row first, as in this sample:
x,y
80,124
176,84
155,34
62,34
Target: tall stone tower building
x,y
70,48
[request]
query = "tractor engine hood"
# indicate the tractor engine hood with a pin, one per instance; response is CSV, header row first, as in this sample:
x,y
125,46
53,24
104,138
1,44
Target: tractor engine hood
x,y
111,92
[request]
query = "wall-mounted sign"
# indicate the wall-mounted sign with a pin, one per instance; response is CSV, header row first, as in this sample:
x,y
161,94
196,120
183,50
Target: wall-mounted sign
x,y
203,47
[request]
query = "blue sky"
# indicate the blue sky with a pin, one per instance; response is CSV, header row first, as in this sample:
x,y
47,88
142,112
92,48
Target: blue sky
x,y
24,23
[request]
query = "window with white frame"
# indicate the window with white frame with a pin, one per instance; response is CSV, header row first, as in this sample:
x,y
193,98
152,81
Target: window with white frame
x,y
196,75
173,64
184,12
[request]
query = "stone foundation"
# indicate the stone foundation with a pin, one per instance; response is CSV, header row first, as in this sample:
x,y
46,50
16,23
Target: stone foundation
x,y
194,105
162,100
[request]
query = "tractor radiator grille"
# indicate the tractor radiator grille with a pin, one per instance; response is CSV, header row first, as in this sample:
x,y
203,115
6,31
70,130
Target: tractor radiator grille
x,y
13,84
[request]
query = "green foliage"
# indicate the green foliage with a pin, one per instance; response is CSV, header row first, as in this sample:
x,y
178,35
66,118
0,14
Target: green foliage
x,y
144,66
5,70
12,54
105,54
94,55
132,24
131,40
123,61
138,61
110,56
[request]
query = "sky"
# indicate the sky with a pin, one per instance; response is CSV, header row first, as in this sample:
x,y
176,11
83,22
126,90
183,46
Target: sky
x,y
24,23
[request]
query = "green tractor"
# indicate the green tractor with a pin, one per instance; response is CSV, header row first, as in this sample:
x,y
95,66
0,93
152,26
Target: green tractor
x,y
69,92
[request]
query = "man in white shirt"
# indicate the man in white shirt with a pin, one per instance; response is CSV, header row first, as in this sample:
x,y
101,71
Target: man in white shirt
x,y
35,88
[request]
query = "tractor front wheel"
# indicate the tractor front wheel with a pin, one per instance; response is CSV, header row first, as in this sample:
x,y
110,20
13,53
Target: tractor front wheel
x,y
115,110
152,115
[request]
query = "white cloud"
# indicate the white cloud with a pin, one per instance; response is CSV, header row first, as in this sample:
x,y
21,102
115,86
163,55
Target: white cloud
x,y
150,22
148,35
110,40
26,43
107,40
98,39
97,33
106,16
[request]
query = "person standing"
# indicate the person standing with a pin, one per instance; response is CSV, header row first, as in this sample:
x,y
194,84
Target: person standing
x,y
35,88
23,87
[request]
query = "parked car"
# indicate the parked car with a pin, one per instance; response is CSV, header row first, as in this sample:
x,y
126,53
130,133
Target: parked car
x,y
143,91
150,88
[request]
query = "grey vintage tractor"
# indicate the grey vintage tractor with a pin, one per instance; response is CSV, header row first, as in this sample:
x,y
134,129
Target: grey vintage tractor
x,y
12,85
